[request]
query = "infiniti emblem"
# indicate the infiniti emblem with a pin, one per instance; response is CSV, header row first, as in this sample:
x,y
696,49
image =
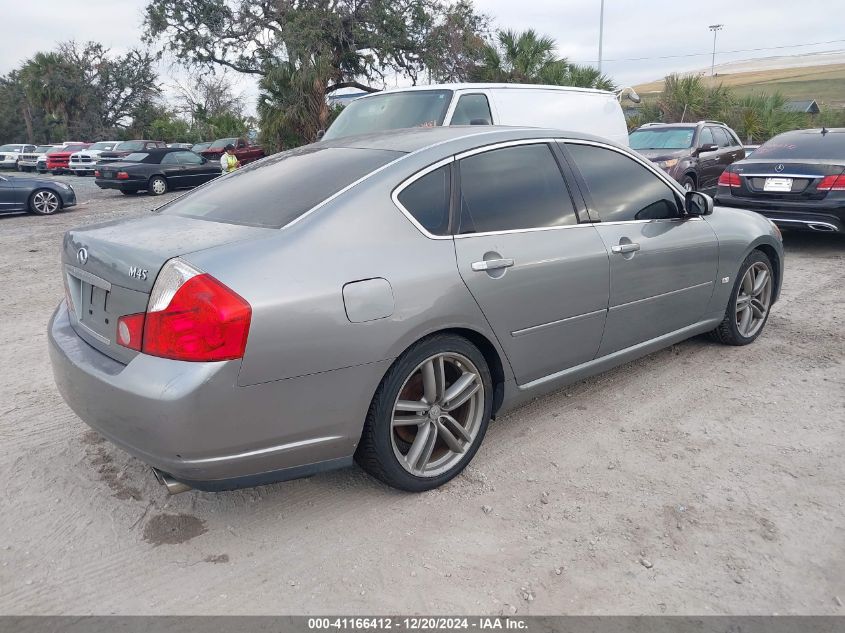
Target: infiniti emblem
x,y
82,256
779,167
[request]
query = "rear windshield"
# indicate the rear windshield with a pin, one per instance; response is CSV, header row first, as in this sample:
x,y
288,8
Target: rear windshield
x,y
129,146
223,142
391,111
135,157
103,145
814,145
275,191
665,138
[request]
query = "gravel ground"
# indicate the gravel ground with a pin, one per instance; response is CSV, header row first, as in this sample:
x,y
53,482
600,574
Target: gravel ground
x,y
700,479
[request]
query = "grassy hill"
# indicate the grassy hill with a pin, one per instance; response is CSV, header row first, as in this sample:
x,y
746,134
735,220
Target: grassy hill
x,y
825,84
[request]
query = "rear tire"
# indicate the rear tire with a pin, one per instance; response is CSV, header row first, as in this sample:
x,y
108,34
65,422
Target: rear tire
x,y
750,304
424,438
157,186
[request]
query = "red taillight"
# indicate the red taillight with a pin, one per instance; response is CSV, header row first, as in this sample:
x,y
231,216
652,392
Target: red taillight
x,y
122,175
96,173
130,331
832,183
729,179
204,321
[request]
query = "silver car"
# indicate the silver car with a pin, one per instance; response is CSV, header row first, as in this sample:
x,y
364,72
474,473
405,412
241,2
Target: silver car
x,y
379,298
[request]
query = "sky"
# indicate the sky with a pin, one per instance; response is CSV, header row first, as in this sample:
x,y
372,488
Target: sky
x,y
633,30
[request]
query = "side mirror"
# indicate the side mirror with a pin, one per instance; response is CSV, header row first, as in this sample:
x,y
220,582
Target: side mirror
x,y
203,159
708,147
320,134
697,203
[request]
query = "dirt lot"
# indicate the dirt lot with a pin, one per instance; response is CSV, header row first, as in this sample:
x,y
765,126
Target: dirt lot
x,y
701,479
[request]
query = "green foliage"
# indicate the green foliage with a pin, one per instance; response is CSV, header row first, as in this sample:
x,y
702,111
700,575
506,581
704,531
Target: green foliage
x,y
528,57
760,117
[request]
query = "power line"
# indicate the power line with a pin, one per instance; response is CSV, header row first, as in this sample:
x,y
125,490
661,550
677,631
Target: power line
x,y
738,50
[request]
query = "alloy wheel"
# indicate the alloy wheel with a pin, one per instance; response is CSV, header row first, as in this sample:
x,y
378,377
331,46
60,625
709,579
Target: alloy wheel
x,y
753,299
45,202
437,414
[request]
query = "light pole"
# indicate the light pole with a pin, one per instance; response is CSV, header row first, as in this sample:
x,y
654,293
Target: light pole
x,y
715,28
601,31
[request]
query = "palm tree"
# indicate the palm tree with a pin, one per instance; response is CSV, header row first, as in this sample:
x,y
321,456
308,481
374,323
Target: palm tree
x,y
528,57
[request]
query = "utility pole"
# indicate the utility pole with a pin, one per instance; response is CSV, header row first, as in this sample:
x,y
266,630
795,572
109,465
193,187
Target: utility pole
x,y
601,31
715,28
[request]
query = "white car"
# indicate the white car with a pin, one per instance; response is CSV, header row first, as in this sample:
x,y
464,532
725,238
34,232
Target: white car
x,y
85,161
28,160
11,153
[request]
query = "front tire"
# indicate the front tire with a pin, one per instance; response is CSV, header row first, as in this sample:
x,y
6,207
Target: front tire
x,y
750,304
157,186
688,183
428,415
44,202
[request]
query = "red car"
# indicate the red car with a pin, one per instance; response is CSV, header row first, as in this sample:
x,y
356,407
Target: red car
x,y
57,162
245,152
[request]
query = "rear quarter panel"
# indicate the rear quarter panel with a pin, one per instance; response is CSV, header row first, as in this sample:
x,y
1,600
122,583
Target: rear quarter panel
x,y
740,232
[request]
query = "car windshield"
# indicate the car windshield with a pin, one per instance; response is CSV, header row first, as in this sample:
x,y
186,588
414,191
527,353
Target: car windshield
x,y
662,138
275,191
10,148
73,147
391,111
42,148
223,142
803,145
135,157
103,145
129,146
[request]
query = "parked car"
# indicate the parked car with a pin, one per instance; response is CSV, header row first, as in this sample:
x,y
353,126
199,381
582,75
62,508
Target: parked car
x,y
11,153
129,147
84,161
180,145
694,154
29,159
797,179
36,195
58,161
245,152
381,297
156,171
577,109
749,149
199,148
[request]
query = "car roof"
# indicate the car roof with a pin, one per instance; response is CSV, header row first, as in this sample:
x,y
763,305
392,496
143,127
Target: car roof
x,y
415,139
483,86
157,151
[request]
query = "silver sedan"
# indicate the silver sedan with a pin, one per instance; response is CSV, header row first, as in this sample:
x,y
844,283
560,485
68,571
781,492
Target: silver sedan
x,y
380,298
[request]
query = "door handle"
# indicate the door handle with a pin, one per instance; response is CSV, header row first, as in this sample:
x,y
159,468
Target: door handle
x,y
625,248
492,264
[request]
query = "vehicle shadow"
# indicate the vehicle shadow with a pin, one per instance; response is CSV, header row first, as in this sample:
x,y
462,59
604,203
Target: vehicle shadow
x,y
813,243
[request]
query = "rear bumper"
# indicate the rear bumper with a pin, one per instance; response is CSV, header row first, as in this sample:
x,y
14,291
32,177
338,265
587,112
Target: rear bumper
x,y
812,217
193,421
121,185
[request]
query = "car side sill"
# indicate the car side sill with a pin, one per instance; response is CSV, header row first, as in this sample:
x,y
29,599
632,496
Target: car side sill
x,y
604,363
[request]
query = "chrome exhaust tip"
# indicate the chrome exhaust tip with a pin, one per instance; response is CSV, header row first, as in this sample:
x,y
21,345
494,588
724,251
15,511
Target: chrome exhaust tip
x,y
821,226
173,487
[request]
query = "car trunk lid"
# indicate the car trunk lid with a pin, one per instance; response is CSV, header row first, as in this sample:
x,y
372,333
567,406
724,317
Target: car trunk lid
x,y
109,269
772,179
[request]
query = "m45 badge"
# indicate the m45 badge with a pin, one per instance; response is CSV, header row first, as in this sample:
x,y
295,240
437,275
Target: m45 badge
x,y
138,273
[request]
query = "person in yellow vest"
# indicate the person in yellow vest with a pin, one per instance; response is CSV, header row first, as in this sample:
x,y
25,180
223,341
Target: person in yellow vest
x,y
228,161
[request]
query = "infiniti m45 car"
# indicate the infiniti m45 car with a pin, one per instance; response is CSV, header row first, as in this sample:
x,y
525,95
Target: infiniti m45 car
x,y
379,298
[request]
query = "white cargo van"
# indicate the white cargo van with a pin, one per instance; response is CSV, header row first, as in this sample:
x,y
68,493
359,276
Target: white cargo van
x,y
574,109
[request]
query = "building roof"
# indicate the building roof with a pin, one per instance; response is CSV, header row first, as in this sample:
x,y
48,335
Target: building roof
x,y
809,105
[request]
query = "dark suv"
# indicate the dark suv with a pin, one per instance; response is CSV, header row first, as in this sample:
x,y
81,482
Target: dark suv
x,y
694,154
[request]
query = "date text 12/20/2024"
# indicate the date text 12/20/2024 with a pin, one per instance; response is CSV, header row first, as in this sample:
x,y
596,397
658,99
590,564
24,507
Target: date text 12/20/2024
x,y
419,623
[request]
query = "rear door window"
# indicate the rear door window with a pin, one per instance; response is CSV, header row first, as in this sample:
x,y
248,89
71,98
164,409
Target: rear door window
x,y
472,110
621,189
275,191
519,187
721,137
427,200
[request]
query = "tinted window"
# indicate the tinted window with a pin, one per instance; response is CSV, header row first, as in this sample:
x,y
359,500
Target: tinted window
x,y
170,159
810,144
662,138
706,137
135,157
513,188
722,139
621,188
391,111
130,146
277,190
472,108
427,199
189,158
